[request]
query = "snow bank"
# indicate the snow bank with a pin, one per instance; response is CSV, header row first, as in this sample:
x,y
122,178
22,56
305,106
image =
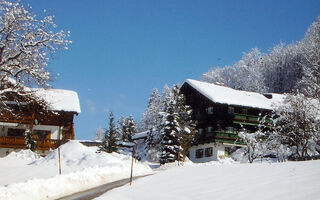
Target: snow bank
x,y
23,154
82,168
285,181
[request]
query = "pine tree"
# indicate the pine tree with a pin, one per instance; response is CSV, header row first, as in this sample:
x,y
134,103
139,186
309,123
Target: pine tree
x,y
129,129
150,118
170,144
109,142
99,134
188,133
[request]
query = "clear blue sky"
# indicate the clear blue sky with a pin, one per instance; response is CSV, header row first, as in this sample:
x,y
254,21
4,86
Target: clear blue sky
x,y
123,49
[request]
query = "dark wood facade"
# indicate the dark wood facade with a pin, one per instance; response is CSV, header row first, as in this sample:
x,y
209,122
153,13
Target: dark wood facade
x,y
29,116
220,123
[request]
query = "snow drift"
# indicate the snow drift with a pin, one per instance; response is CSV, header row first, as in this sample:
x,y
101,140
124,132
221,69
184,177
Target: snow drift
x,y
82,168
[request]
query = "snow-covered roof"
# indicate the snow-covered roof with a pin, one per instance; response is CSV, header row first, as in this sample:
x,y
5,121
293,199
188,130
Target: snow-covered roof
x,y
140,135
226,95
60,100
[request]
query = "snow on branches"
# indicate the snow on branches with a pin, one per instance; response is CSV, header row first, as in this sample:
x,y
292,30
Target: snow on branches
x,y
297,125
27,43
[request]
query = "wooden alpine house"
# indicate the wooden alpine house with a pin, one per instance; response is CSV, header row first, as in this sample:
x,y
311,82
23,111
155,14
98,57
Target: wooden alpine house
x,y
220,113
51,125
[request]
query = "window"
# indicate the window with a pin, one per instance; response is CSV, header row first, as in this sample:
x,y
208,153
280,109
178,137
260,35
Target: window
x,y
199,153
230,110
230,129
15,132
42,134
209,110
208,152
210,129
244,111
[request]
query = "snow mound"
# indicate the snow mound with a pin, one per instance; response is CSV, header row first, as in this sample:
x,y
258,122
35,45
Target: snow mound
x,y
26,154
82,168
224,161
73,153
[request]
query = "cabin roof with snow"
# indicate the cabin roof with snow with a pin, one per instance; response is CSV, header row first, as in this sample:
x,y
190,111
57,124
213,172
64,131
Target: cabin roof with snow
x,y
60,100
229,96
141,135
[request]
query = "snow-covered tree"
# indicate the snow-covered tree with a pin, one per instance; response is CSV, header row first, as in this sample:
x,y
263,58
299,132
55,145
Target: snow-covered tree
x,y
99,134
150,118
129,129
27,42
310,48
170,144
254,143
297,123
166,94
119,127
109,142
187,133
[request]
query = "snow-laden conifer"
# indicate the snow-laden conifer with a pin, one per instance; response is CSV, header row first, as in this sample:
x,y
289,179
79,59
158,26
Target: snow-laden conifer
x,y
109,142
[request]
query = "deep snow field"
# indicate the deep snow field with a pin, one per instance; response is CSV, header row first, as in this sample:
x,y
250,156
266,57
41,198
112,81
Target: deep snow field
x,y
227,180
26,176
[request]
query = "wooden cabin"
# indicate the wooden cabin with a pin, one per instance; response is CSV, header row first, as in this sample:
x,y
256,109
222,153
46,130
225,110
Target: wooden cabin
x,y
52,125
220,113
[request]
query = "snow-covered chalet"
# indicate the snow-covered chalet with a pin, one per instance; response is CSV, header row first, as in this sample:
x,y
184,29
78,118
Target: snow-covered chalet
x,y
51,126
220,112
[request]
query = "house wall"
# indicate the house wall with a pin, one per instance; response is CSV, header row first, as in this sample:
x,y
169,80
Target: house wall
x,y
217,153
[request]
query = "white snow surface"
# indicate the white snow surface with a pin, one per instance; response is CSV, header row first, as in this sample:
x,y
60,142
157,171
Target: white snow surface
x,y
227,180
59,100
25,176
226,95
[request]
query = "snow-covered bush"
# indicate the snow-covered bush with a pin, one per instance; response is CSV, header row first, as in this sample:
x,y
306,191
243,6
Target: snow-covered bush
x,y
297,125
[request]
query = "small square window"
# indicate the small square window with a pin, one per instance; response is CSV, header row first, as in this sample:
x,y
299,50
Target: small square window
x,y
199,153
230,110
210,129
244,111
230,129
208,152
210,110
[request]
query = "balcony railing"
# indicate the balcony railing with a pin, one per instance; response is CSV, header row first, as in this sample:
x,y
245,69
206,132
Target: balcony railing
x,y
19,143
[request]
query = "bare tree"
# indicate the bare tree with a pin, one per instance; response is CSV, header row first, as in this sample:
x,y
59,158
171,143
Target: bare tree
x,y
27,43
297,123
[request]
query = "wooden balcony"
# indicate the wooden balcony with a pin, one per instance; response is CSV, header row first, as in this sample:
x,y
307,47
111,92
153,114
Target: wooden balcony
x,y
250,120
19,143
220,136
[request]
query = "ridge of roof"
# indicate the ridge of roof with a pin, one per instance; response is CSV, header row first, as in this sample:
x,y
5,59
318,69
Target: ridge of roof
x,y
230,96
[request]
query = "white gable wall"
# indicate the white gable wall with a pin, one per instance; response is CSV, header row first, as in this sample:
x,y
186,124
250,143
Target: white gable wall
x,y
218,152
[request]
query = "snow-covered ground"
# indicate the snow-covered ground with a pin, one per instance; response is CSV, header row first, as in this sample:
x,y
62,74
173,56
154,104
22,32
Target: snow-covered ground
x,y
26,176
227,180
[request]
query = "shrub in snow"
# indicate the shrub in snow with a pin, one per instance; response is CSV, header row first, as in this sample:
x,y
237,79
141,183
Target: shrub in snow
x,y
254,144
31,142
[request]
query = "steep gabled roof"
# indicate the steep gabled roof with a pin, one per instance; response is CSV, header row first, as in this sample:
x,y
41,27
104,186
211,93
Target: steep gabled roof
x,y
226,95
59,100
